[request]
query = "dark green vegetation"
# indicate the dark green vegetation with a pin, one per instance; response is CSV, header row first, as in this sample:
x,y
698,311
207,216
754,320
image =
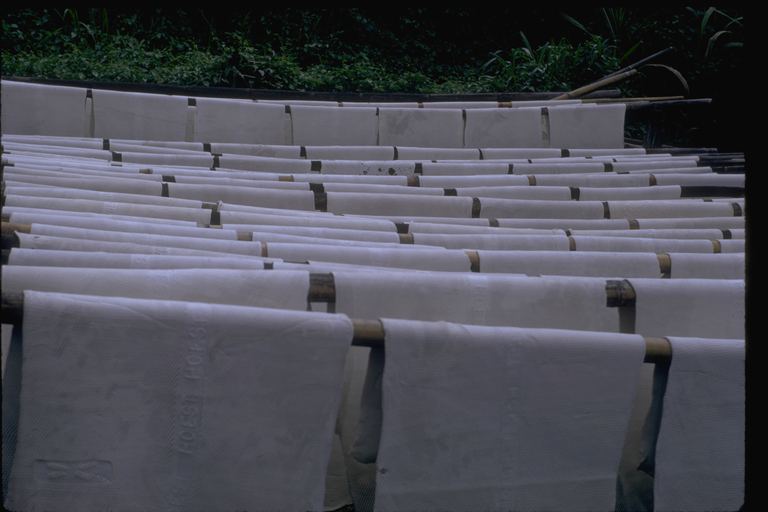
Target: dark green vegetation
x,y
408,50
426,50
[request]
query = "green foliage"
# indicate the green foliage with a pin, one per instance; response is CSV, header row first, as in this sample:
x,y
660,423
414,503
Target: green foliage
x,y
120,59
713,39
427,50
552,67
87,51
707,44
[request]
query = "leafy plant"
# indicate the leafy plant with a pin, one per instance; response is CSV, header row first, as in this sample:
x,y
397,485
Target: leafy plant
x,y
705,17
368,49
553,66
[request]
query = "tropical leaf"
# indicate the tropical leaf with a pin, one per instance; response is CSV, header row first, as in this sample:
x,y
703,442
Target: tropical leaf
x,y
629,52
575,22
675,72
713,40
733,20
704,21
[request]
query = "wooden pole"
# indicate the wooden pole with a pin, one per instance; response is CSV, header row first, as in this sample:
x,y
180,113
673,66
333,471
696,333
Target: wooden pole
x,y
634,100
368,333
640,62
322,285
285,95
611,78
581,91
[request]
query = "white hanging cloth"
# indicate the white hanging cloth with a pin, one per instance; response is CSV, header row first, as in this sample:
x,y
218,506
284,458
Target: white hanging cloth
x,y
162,405
697,458
479,418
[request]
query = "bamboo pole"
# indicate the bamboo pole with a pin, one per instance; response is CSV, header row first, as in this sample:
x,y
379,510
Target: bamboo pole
x,y
285,95
10,228
581,91
639,105
641,62
614,77
367,333
651,99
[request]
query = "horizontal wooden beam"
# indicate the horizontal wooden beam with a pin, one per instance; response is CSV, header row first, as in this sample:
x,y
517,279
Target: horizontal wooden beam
x,y
368,333
269,94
